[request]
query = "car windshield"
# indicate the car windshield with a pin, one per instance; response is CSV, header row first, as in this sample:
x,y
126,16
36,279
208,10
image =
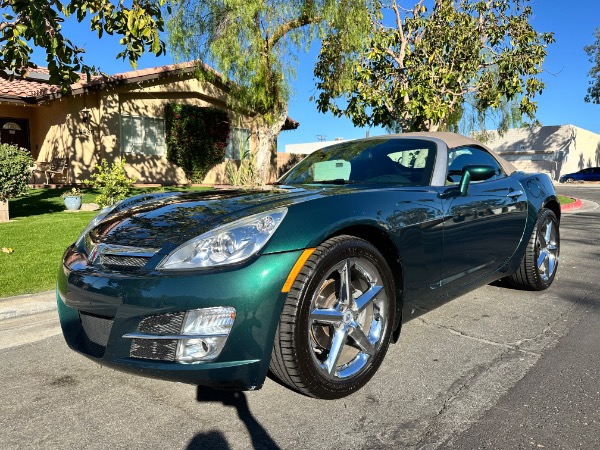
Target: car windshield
x,y
379,160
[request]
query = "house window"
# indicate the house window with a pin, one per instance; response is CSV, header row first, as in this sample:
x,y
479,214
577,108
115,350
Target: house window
x,y
239,143
145,135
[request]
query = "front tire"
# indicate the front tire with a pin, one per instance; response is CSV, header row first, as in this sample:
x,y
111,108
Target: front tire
x,y
336,324
540,262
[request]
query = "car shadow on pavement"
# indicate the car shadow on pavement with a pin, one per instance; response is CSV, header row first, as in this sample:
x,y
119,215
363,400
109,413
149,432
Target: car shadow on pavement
x,y
215,439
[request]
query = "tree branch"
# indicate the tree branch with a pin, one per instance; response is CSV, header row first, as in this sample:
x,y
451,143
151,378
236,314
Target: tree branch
x,y
285,28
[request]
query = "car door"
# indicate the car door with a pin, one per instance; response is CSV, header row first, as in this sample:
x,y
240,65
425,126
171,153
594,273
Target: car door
x,y
482,228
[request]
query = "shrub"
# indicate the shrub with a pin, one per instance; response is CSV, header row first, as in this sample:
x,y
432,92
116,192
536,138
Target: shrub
x,y
246,174
74,192
196,138
15,170
113,182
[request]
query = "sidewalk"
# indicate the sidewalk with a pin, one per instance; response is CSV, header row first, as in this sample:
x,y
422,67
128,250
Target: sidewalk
x,y
28,318
12,308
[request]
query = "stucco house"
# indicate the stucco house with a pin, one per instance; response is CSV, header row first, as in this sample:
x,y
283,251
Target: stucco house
x,y
556,150
114,117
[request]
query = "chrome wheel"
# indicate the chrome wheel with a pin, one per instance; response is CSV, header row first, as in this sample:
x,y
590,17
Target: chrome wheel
x,y
547,249
335,327
348,314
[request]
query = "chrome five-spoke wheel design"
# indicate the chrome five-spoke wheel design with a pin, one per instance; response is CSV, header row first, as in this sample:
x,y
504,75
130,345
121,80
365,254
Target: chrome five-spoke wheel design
x,y
336,323
547,249
347,316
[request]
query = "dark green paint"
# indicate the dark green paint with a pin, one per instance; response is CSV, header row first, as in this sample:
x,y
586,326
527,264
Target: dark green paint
x,y
254,290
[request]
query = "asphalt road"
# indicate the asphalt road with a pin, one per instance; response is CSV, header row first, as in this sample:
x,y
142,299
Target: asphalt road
x,y
557,404
497,368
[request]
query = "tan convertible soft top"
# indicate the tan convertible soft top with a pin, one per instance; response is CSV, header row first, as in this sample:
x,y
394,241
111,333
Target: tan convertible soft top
x,y
454,140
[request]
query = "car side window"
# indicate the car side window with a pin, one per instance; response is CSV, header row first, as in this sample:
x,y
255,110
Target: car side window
x,y
458,158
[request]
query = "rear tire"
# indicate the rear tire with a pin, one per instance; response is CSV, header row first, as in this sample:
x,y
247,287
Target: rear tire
x,y
337,320
540,262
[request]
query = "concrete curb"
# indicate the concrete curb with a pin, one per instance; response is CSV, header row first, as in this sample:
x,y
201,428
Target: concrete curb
x,y
27,305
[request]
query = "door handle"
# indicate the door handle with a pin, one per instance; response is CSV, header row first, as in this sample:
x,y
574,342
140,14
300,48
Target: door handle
x,y
515,194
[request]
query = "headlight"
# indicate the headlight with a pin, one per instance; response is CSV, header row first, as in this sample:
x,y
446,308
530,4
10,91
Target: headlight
x,y
96,220
229,244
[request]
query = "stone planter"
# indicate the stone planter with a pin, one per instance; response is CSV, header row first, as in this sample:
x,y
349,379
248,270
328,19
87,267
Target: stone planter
x,y
73,203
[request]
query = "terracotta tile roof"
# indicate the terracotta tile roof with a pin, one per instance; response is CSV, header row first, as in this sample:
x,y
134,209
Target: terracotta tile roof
x,y
135,76
35,87
32,85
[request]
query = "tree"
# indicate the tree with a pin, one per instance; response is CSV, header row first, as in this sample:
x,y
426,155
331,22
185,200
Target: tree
x,y
421,64
38,22
15,170
470,119
254,44
593,51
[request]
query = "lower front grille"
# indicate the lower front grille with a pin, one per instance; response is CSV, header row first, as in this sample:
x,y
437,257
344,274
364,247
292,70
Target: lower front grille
x,y
157,349
169,323
96,331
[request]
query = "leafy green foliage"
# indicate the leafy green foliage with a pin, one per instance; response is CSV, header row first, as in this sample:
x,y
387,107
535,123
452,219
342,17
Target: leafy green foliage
x,y
73,192
15,170
196,138
39,22
417,74
593,51
255,42
472,120
112,181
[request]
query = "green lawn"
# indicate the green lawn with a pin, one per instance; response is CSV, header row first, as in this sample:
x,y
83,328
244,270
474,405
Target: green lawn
x,y
39,231
565,200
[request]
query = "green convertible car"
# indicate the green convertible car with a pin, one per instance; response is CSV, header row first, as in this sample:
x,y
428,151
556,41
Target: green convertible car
x,y
306,278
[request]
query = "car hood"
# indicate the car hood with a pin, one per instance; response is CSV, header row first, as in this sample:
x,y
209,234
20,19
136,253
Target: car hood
x,y
168,220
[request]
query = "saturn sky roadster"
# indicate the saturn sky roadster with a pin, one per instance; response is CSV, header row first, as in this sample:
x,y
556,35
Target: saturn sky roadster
x,y
307,278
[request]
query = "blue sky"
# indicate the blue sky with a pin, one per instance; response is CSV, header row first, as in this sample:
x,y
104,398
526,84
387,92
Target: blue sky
x,y
565,73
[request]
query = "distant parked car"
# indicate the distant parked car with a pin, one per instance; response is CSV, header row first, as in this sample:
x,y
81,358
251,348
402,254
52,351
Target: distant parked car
x,y
589,174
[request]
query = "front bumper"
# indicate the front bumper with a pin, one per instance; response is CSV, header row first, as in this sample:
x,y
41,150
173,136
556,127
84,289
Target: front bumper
x,y
97,309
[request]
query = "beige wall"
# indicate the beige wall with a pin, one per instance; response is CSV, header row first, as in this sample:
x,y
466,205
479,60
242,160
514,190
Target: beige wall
x,y
556,150
57,129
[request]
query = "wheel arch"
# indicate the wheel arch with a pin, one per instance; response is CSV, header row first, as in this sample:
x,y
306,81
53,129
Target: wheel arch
x,y
554,206
386,246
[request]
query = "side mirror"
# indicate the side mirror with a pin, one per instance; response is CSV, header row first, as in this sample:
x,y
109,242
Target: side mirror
x,y
469,173
474,173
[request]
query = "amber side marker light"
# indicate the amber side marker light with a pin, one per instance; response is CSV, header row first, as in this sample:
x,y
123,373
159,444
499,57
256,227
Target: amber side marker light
x,y
296,269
